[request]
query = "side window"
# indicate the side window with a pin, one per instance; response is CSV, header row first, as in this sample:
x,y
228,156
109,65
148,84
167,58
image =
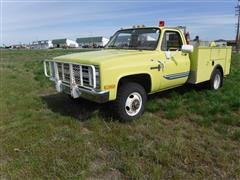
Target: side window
x,y
172,41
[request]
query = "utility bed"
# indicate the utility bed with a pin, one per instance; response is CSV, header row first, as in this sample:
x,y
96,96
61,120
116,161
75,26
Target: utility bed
x,y
203,60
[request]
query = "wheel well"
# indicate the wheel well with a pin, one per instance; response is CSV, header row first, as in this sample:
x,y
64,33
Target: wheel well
x,y
220,69
142,79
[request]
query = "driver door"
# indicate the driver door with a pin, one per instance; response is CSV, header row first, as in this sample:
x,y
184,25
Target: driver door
x,y
176,63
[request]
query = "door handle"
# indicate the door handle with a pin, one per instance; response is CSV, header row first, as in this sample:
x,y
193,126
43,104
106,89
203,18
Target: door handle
x,y
159,67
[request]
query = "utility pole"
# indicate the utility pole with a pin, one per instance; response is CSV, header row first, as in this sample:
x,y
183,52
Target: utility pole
x,y
237,8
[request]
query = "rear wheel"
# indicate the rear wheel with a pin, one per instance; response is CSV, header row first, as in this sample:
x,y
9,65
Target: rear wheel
x,y
130,102
216,80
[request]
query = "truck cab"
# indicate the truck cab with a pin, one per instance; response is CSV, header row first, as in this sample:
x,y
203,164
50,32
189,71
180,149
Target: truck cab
x,y
136,62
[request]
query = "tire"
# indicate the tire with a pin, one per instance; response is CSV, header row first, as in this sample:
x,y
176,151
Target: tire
x,y
130,102
216,80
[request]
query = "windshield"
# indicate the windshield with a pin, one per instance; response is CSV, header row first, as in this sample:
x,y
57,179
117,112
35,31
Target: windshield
x,y
135,39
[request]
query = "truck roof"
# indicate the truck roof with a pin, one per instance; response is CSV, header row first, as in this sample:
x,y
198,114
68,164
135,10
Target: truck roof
x,y
155,27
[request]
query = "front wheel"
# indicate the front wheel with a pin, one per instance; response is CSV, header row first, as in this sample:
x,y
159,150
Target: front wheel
x,y
216,80
130,102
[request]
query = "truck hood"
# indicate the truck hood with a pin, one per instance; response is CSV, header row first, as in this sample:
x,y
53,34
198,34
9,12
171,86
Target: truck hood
x,y
102,56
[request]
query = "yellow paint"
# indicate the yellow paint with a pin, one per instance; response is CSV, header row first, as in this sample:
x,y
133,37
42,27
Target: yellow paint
x,y
117,63
205,59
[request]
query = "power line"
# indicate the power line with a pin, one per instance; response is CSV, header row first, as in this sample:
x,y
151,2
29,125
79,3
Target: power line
x,y
237,13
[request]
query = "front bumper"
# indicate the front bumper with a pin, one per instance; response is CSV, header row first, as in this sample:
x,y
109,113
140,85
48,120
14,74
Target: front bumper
x,y
79,92
70,78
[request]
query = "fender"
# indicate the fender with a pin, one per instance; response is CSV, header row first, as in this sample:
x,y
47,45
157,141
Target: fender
x,y
218,66
135,74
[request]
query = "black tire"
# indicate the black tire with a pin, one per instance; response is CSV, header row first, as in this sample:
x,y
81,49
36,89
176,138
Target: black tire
x,y
126,92
216,76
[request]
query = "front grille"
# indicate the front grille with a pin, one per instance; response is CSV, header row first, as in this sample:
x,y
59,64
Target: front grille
x,y
59,69
66,73
87,75
81,75
76,73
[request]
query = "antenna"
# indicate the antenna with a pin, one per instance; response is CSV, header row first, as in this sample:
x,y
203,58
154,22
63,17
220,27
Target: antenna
x,y
237,13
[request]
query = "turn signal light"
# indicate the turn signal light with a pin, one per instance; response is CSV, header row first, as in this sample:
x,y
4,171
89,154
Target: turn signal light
x,y
107,87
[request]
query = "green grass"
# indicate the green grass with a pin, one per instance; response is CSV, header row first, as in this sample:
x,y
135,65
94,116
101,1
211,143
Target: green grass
x,y
186,133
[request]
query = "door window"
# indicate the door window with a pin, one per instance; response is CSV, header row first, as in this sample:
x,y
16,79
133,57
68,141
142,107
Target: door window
x,y
172,41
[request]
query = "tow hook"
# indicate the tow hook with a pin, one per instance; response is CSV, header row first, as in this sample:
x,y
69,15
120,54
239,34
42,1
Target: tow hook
x,y
59,87
75,93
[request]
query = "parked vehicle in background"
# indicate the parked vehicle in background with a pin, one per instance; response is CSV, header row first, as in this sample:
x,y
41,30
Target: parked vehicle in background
x,y
43,44
64,43
137,62
93,42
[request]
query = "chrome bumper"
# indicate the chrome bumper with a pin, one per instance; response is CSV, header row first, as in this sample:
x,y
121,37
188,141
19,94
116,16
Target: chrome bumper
x,y
71,87
78,92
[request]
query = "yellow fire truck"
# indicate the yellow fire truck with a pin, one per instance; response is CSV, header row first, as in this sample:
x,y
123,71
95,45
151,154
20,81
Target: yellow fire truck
x,y
136,62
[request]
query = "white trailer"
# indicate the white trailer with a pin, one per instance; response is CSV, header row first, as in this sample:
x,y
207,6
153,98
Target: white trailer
x,y
43,44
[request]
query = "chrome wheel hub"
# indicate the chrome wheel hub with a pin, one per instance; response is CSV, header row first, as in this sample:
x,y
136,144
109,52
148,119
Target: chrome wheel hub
x,y
133,104
217,81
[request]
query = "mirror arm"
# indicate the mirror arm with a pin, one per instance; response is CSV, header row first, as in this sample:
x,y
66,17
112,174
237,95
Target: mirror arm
x,y
168,54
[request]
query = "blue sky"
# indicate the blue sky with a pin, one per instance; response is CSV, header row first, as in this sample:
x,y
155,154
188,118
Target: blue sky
x,y
28,20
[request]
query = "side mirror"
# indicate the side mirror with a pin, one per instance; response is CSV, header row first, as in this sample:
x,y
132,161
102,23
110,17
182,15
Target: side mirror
x,y
187,48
